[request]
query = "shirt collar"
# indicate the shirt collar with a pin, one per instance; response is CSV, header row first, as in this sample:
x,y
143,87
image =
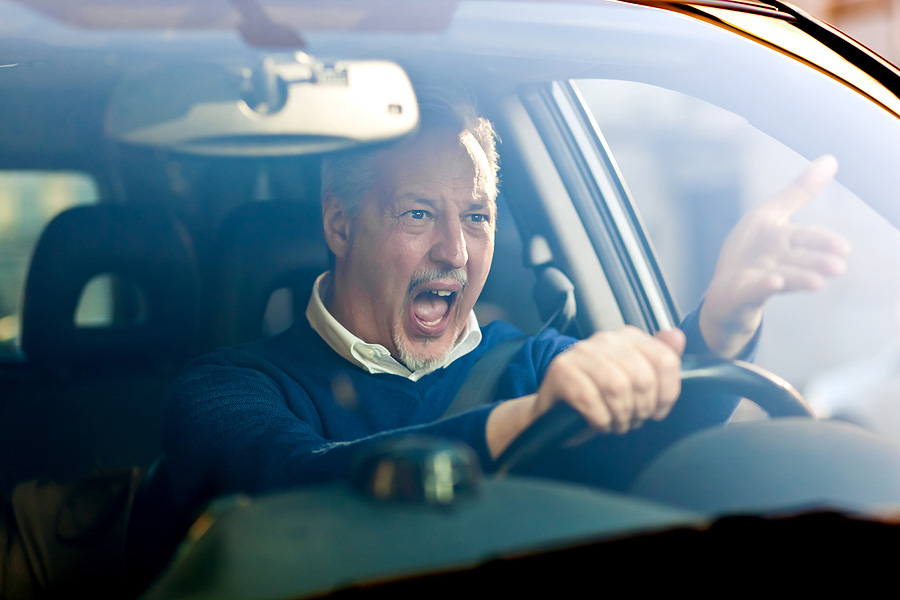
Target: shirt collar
x,y
375,358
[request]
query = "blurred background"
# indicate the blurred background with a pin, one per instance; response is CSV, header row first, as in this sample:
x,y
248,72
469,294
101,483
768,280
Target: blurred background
x,y
871,22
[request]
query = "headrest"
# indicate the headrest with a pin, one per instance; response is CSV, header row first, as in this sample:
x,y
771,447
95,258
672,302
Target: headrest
x,y
262,247
145,249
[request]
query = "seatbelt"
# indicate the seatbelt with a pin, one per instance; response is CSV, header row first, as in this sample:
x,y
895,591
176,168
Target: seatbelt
x,y
481,384
555,297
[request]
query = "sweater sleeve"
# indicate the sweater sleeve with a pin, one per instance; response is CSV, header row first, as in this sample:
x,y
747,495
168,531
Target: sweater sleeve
x,y
694,413
229,429
690,325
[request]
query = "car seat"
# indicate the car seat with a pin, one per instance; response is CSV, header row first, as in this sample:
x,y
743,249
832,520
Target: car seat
x,y
262,248
149,251
88,396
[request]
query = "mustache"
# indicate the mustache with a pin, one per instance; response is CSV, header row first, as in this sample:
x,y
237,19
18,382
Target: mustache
x,y
457,275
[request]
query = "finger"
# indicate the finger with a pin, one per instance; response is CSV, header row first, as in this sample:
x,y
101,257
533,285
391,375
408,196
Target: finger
x,y
614,377
673,338
816,238
589,400
653,365
801,280
789,278
818,174
670,372
819,263
663,352
669,389
757,287
567,382
809,184
644,383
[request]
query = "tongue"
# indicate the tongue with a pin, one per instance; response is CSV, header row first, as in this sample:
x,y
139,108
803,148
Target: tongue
x,y
430,308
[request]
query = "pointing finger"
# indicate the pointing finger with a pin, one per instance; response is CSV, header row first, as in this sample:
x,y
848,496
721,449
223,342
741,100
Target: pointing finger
x,y
806,186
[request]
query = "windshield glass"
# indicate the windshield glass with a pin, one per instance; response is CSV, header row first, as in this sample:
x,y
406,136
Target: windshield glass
x,y
361,358
694,168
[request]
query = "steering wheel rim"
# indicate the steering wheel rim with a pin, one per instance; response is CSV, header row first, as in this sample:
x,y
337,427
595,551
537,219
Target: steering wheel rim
x,y
773,394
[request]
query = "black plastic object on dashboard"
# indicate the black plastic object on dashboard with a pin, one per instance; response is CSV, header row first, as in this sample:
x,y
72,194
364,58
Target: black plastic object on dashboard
x,y
419,469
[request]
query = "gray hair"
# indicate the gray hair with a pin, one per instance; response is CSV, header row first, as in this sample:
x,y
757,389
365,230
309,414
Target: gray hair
x,y
349,175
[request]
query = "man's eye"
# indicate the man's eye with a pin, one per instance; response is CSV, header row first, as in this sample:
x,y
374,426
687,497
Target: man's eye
x,y
479,218
418,214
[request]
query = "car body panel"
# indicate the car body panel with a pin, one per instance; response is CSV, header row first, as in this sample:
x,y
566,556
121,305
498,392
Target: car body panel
x,y
329,538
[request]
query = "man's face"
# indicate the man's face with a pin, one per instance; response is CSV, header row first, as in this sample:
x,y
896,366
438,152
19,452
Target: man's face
x,y
420,249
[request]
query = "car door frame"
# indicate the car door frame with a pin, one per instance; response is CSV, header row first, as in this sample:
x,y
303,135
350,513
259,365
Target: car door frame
x,y
602,201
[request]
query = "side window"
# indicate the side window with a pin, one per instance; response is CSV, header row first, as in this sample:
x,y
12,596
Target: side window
x,y
693,169
28,201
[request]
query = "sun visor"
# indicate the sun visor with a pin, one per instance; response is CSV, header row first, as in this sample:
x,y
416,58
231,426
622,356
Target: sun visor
x,y
287,105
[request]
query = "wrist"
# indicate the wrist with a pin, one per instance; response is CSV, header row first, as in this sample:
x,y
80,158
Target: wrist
x,y
507,421
728,337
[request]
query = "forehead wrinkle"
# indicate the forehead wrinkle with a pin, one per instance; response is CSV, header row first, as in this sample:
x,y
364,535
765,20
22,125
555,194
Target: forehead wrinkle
x,y
399,183
437,188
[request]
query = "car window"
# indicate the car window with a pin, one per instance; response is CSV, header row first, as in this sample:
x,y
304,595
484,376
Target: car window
x,y
28,201
694,168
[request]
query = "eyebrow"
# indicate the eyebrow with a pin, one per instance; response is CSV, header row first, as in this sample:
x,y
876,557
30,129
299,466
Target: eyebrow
x,y
489,204
417,198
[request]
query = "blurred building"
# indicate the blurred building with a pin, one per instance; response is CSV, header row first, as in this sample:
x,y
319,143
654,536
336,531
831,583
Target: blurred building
x,y
874,23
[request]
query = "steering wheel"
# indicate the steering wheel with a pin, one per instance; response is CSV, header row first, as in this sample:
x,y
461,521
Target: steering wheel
x,y
735,378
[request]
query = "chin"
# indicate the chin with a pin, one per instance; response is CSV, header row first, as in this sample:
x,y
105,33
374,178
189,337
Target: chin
x,y
426,355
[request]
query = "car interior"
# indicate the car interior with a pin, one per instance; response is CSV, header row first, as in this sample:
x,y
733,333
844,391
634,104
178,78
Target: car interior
x,y
197,254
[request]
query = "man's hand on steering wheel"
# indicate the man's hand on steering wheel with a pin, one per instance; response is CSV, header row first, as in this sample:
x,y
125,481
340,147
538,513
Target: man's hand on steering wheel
x,y
615,379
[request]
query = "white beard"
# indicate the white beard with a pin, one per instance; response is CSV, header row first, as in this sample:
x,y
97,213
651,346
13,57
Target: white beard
x,y
416,363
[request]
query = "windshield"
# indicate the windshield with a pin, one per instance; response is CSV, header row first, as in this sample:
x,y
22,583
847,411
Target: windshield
x,y
324,351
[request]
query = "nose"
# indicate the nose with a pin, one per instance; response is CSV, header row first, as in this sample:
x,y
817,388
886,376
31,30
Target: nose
x,y
449,248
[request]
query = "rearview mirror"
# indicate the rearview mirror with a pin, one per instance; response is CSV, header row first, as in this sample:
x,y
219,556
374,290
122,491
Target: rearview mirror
x,y
289,104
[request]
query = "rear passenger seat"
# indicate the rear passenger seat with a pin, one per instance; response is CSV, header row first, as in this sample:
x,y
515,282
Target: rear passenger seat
x,y
88,397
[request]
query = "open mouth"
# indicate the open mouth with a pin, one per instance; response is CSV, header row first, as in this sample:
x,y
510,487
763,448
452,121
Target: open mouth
x,y
432,307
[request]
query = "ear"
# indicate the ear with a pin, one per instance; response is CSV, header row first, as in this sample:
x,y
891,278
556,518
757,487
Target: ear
x,y
337,226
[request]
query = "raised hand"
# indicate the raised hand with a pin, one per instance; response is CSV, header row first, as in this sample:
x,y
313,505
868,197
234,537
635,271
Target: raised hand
x,y
765,254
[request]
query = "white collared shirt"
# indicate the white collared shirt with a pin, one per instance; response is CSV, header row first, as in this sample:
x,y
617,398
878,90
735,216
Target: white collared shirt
x,y
375,358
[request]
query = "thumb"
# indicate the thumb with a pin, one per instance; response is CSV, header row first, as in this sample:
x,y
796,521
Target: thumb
x,y
674,338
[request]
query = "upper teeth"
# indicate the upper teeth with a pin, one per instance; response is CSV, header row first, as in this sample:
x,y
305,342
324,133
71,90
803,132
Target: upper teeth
x,y
441,292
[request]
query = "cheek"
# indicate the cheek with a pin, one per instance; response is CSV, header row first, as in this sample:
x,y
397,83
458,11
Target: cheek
x,y
481,253
399,258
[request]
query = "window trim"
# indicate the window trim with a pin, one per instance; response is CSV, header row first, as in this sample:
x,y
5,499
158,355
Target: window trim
x,y
603,203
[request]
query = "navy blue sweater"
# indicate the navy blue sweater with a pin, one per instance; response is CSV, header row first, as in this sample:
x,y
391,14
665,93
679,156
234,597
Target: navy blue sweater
x,y
289,411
